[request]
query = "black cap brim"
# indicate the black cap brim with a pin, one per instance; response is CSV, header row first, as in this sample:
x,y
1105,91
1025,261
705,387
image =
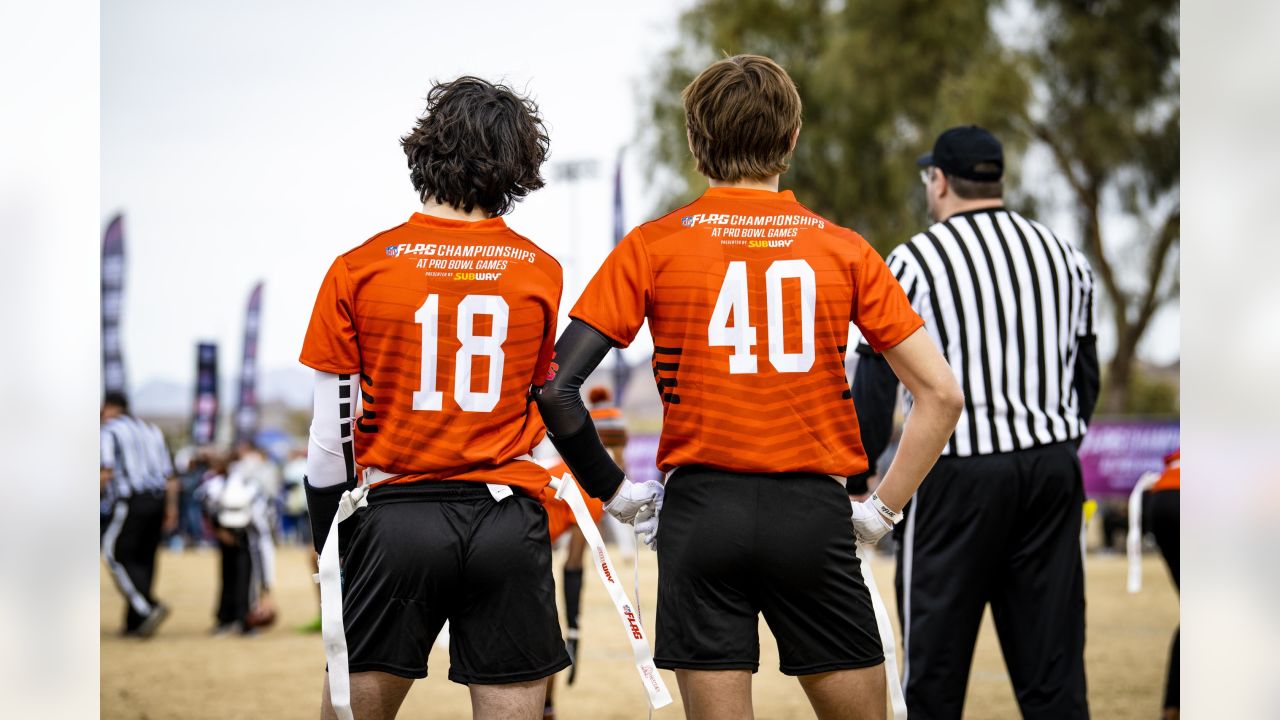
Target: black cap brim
x,y
924,160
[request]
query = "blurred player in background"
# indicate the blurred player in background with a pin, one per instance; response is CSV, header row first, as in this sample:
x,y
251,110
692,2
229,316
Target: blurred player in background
x,y
425,341
238,508
1165,524
749,296
613,433
137,475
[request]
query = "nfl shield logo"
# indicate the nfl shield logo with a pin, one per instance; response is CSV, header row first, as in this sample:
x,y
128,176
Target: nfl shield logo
x,y
392,251
687,221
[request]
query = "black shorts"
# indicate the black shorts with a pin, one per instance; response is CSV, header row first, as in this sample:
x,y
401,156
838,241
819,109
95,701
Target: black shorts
x,y
423,553
731,546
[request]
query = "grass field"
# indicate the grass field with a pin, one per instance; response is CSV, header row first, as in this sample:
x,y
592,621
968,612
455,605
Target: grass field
x,y
184,673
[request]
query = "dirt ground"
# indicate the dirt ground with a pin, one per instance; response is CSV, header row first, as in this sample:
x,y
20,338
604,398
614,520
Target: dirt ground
x,y
182,672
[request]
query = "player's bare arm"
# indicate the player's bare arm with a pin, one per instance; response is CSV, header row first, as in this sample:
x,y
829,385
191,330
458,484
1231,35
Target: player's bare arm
x,y
939,401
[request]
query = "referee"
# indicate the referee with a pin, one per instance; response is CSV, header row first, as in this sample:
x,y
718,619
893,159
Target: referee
x,y
998,518
138,473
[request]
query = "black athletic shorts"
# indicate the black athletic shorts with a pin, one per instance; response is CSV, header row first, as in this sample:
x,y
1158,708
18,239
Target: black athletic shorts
x,y
731,546
426,552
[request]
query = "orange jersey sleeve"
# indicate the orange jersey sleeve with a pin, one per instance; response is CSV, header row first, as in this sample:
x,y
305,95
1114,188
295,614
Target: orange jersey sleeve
x,y
616,300
448,324
881,309
330,343
749,297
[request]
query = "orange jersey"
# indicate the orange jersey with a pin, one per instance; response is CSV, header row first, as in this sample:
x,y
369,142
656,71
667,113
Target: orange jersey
x,y
1171,477
559,516
448,323
749,296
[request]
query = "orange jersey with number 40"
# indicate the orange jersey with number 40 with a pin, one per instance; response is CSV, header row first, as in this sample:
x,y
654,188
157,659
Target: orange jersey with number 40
x,y
448,324
749,296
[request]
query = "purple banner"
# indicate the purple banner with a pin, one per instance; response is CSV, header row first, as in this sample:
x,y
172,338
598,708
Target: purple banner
x,y
246,418
1116,453
641,458
204,418
112,296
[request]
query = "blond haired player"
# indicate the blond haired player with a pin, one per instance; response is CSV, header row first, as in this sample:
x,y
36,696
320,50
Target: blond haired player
x,y
749,296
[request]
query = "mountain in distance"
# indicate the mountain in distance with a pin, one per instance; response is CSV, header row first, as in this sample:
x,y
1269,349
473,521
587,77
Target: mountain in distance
x,y
166,398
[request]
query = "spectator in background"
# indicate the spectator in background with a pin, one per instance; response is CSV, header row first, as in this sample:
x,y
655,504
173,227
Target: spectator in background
x,y
264,474
190,516
294,523
237,507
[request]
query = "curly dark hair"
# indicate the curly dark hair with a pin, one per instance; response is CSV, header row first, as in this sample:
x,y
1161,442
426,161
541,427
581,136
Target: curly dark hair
x,y
477,145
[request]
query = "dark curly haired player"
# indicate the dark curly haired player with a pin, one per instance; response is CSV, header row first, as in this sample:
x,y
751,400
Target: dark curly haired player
x,y
425,341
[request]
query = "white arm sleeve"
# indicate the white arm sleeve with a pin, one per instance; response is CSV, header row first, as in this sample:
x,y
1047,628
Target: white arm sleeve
x,y
330,451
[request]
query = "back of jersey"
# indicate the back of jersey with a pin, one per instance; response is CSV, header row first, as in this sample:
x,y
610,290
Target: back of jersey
x,y
447,324
749,296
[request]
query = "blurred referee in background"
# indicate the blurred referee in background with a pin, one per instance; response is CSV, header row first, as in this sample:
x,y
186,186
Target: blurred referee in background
x,y
998,518
137,472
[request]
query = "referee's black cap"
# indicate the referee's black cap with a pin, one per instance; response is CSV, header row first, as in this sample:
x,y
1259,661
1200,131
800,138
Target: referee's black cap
x,y
961,151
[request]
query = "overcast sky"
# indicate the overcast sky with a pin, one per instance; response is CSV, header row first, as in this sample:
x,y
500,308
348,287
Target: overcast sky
x,y
249,141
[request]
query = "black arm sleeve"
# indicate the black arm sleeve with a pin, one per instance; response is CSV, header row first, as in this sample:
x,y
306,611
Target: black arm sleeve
x,y
322,505
578,351
1088,379
875,391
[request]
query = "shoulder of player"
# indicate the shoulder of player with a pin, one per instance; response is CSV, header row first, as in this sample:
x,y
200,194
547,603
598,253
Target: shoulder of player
x,y
834,229
371,242
537,249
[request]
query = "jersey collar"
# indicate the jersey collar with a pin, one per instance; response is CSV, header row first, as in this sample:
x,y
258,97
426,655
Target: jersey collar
x,y
749,194
439,223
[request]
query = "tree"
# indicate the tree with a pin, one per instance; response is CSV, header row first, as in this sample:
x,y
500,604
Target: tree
x,y
878,80
1097,85
1107,109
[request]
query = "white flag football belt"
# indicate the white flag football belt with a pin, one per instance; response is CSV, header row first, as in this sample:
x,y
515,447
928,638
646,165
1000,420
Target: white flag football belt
x,y
567,490
896,697
1134,540
330,579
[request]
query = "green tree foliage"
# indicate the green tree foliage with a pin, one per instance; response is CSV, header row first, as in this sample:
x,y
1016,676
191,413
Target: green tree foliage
x,y
1107,108
878,80
1097,85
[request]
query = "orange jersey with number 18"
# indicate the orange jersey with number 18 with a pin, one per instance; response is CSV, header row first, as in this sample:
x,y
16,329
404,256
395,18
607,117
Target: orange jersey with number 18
x,y
448,324
749,296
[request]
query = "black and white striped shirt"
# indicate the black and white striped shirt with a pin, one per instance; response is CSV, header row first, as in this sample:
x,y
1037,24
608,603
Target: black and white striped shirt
x,y
1008,303
136,454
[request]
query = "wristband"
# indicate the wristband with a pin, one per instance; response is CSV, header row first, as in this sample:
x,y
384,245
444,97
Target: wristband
x,y
894,517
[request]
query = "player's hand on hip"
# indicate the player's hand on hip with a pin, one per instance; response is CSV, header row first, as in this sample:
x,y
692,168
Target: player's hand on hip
x,y
868,524
635,503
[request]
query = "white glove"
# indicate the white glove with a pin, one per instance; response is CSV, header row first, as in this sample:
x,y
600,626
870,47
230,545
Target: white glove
x,y
637,504
648,529
868,524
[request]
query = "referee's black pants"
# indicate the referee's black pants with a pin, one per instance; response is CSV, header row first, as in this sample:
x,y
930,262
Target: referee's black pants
x,y
129,546
1001,529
